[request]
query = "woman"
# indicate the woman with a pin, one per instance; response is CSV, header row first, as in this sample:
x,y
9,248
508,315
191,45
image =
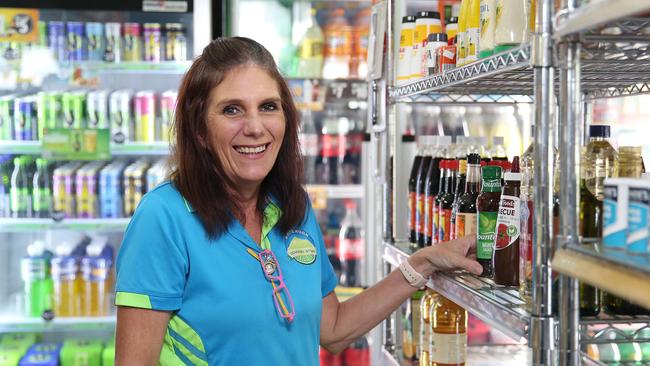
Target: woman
x,y
225,264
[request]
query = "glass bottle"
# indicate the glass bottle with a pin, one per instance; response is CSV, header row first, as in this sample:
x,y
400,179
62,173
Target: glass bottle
x,y
506,244
487,206
428,300
446,202
461,179
436,202
429,142
448,334
310,50
431,189
413,187
466,216
351,246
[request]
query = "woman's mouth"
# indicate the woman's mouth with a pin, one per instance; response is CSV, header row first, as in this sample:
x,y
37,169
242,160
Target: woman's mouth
x,y
251,150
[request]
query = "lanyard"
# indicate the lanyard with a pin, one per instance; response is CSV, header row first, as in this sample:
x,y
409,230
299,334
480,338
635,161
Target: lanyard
x,y
257,257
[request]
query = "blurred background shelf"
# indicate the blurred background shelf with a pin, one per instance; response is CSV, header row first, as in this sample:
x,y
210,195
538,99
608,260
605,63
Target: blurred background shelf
x,y
18,324
36,225
157,148
607,270
498,306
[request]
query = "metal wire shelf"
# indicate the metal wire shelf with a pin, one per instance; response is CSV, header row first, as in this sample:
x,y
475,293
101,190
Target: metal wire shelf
x,y
501,307
611,333
588,361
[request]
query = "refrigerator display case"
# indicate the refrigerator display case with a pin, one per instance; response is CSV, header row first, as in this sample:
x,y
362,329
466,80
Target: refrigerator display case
x,y
87,92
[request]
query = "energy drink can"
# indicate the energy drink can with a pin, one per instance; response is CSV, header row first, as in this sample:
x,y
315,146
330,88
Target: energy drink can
x,y
152,38
73,106
110,190
156,174
134,185
175,42
95,36
57,40
131,42
167,108
87,188
75,41
145,116
113,50
25,119
49,111
97,107
121,116
6,117
63,190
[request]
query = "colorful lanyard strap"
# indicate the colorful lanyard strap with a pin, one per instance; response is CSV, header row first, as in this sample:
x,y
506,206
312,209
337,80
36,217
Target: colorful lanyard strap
x,y
257,257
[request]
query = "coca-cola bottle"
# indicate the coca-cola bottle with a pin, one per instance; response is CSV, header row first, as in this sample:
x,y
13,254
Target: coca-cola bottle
x,y
309,146
358,353
331,235
335,127
351,246
352,158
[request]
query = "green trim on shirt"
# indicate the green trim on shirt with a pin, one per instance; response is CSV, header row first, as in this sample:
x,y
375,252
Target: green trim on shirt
x,y
133,300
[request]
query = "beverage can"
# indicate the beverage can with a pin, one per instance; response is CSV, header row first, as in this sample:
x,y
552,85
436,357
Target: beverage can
x,y
63,193
132,42
73,106
49,111
175,42
121,116
145,116
57,40
134,185
25,119
95,44
113,49
110,190
75,41
97,107
152,38
167,108
6,117
86,190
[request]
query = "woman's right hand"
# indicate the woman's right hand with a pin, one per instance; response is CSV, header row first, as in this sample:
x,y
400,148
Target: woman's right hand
x,y
447,256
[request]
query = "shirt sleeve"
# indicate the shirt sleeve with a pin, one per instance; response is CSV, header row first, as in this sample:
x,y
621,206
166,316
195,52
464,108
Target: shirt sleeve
x,y
328,276
152,263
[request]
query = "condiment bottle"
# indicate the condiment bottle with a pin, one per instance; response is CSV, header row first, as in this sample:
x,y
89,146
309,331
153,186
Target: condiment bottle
x,y
487,206
506,243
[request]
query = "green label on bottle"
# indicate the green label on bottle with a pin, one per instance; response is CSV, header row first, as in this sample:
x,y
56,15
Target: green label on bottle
x,y
491,185
42,199
487,222
19,199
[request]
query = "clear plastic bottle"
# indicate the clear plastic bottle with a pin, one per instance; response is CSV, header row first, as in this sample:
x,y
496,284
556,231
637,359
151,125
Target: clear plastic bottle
x,y
310,50
95,269
67,282
35,271
41,190
338,46
19,191
351,246
361,32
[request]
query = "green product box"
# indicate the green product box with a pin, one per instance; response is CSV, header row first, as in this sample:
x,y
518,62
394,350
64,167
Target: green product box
x,y
10,354
24,339
81,353
108,355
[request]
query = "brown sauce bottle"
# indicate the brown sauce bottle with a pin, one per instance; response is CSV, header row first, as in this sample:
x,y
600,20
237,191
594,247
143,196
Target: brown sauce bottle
x,y
506,243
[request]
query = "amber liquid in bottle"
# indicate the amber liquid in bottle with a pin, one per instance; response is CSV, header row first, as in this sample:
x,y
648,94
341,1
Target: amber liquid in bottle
x,y
466,216
448,334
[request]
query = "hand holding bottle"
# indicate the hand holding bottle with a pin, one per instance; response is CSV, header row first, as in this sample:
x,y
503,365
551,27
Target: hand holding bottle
x,y
447,256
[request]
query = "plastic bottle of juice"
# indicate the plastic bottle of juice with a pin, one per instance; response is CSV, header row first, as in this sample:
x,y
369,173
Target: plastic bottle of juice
x,y
35,270
338,46
473,31
310,50
95,269
462,33
65,270
361,31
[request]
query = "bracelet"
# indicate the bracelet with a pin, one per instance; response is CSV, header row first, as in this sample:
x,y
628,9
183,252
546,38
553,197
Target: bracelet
x,y
413,277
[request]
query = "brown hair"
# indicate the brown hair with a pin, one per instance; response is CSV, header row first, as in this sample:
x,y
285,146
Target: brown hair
x,y
198,173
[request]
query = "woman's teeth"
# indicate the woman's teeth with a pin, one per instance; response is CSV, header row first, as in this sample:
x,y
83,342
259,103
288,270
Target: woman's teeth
x,y
251,150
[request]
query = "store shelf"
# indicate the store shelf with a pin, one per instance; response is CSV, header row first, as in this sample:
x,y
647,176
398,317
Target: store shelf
x,y
35,225
597,13
157,148
615,272
320,193
164,67
506,73
19,324
500,307
478,356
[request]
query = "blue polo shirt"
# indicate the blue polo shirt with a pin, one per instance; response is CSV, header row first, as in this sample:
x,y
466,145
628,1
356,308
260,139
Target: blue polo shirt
x,y
223,312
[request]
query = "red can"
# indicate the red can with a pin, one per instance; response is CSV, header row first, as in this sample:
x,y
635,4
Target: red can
x,y
446,57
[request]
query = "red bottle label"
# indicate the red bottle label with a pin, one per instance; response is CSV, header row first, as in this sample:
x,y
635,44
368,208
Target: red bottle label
x,y
445,224
351,249
419,223
411,217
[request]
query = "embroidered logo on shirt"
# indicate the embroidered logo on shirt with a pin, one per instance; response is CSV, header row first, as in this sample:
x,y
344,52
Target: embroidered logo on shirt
x,y
301,248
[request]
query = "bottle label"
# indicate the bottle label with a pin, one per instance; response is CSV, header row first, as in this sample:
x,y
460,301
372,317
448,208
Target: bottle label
x,y
435,224
351,249
485,237
419,220
465,224
508,222
425,338
472,44
448,348
96,274
445,223
19,199
485,19
309,144
330,146
615,220
638,215
428,217
42,199
498,13
462,51
412,208
491,185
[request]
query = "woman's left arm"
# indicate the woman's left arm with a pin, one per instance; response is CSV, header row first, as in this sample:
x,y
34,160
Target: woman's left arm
x,y
343,323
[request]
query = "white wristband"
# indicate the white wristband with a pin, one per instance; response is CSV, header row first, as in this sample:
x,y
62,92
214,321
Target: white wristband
x,y
413,277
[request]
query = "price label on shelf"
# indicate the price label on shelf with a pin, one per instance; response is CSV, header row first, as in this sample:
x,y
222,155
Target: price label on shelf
x,y
318,197
76,144
18,25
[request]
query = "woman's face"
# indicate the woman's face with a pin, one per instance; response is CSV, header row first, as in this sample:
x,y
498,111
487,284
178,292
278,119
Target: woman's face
x,y
246,124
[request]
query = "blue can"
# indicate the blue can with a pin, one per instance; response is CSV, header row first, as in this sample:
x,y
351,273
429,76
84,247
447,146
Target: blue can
x,y
25,116
110,190
96,44
76,41
57,40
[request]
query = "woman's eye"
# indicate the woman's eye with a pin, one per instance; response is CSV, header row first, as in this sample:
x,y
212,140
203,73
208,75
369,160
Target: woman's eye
x,y
230,110
269,107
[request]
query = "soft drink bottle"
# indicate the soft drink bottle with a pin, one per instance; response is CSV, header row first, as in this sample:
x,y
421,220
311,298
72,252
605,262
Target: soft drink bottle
x,y
332,241
65,276
19,191
97,107
338,46
357,354
352,158
41,191
361,31
95,269
35,271
5,186
310,50
351,246
309,146
330,359
334,129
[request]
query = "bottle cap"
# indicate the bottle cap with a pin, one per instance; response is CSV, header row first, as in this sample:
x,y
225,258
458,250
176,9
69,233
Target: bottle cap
x,y
443,164
427,14
497,140
512,177
453,164
408,19
491,172
474,158
437,37
599,131
36,249
408,138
